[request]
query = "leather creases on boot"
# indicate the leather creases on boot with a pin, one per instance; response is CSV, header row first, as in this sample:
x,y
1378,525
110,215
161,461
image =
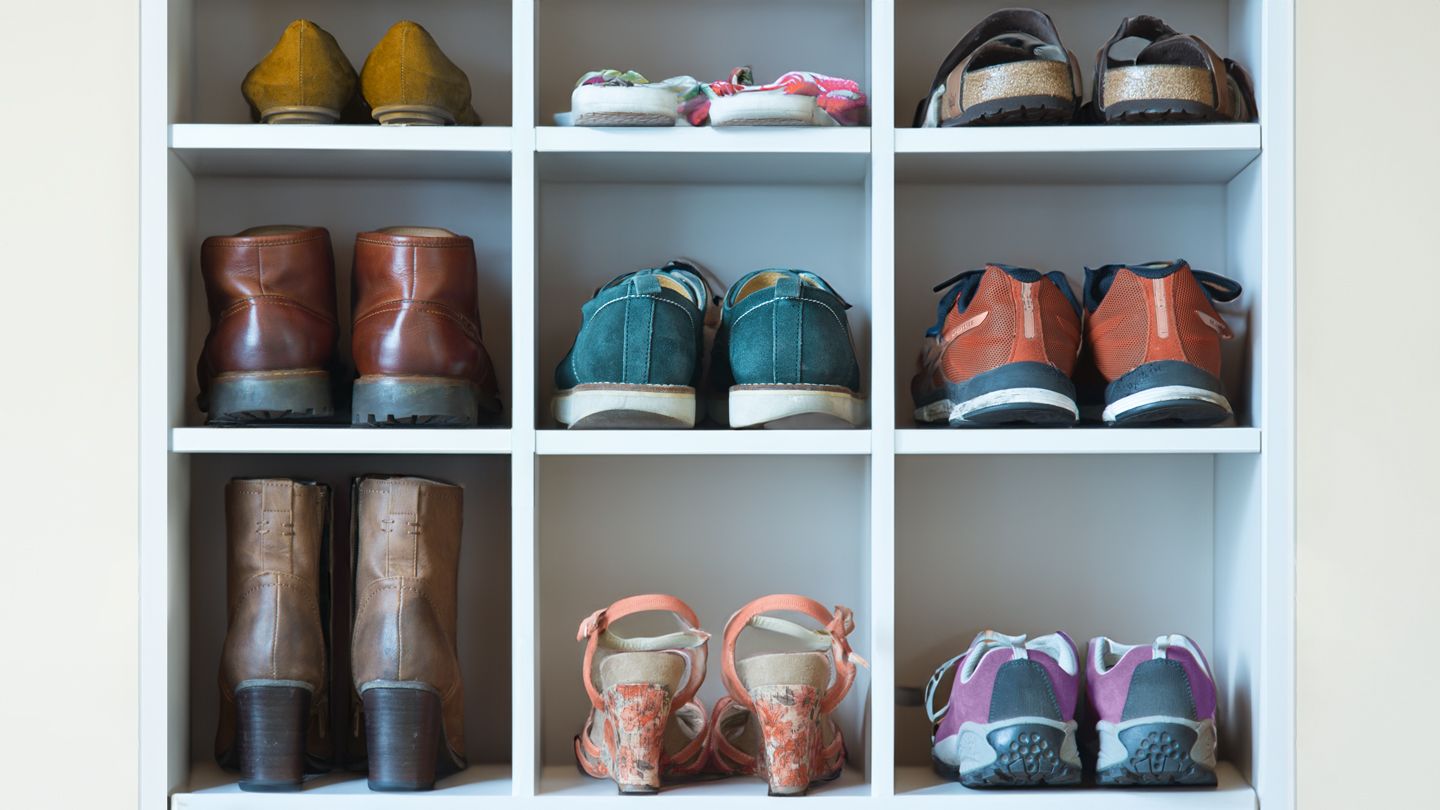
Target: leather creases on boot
x,y
274,704
404,660
270,352
407,79
416,338
305,79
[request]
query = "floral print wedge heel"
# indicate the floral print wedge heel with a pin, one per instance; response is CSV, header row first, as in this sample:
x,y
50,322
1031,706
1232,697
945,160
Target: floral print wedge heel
x,y
776,721
645,724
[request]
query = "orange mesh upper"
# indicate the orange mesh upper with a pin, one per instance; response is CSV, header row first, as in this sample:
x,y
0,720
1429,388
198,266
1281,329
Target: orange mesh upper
x,y
1000,337
1146,320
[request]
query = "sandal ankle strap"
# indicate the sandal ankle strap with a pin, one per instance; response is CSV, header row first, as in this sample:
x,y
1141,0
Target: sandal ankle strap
x,y
692,643
839,624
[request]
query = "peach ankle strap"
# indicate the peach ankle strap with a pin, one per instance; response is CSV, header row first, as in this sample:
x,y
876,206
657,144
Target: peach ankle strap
x,y
690,642
835,637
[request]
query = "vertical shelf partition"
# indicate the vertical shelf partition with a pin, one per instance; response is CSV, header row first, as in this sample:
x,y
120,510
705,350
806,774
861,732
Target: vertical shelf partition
x,y
928,534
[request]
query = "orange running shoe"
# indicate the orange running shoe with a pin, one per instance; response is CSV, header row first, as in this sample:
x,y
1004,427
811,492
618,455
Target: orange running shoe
x,y
1155,336
1001,351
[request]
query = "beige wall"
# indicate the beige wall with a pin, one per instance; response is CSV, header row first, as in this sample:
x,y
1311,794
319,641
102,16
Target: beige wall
x,y
68,405
1369,546
1368,235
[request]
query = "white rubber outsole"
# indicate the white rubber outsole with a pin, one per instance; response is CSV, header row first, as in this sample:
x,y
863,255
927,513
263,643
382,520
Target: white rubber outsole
x,y
596,105
750,406
1113,752
947,411
620,406
1165,393
766,109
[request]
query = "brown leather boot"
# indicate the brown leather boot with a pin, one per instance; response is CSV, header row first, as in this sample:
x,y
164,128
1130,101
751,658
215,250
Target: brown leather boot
x,y
403,650
271,348
416,336
273,696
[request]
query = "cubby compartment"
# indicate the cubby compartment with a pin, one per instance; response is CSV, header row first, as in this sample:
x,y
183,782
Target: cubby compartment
x,y
930,29
591,232
715,532
947,226
706,41
484,631
478,208
1125,546
224,40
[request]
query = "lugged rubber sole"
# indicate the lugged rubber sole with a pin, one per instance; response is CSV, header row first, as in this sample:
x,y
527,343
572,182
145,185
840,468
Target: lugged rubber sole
x,y
752,405
1026,752
296,395
1157,752
433,401
618,406
1016,110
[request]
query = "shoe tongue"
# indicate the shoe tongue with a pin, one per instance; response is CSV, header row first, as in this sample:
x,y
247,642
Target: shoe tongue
x,y
988,641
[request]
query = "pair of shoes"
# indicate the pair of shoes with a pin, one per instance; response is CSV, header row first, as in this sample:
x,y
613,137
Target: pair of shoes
x,y
646,726
1010,720
614,98
782,351
1011,68
407,79
274,701
1007,342
270,355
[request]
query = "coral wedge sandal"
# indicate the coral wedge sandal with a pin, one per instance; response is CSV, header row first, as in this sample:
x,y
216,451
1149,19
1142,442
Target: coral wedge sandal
x,y
777,721
646,724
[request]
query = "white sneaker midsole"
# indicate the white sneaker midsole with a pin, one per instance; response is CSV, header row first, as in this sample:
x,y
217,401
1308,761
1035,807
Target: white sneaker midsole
x,y
572,406
771,106
1164,393
945,410
756,406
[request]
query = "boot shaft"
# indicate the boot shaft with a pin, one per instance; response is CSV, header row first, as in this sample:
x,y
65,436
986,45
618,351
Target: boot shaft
x,y
276,541
274,262
407,549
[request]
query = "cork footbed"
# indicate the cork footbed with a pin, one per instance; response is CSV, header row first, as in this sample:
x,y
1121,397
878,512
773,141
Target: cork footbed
x,y
1016,79
1169,82
665,669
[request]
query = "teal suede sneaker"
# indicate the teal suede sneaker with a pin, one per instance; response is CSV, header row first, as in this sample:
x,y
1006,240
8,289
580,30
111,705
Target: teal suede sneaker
x,y
637,359
783,352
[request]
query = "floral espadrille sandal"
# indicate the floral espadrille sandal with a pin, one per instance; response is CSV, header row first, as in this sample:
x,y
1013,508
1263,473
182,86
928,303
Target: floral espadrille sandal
x,y
776,721
646,725
798,98
625,98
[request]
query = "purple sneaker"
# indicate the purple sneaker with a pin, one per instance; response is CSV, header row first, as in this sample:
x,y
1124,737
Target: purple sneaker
x,y
1155,710
1011,716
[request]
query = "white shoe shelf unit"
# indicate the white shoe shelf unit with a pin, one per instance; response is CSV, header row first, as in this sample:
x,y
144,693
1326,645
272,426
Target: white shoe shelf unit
x,y
930,535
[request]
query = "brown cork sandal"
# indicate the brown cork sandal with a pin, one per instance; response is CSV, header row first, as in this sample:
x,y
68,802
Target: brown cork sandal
x,y
1009,69
1175,79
